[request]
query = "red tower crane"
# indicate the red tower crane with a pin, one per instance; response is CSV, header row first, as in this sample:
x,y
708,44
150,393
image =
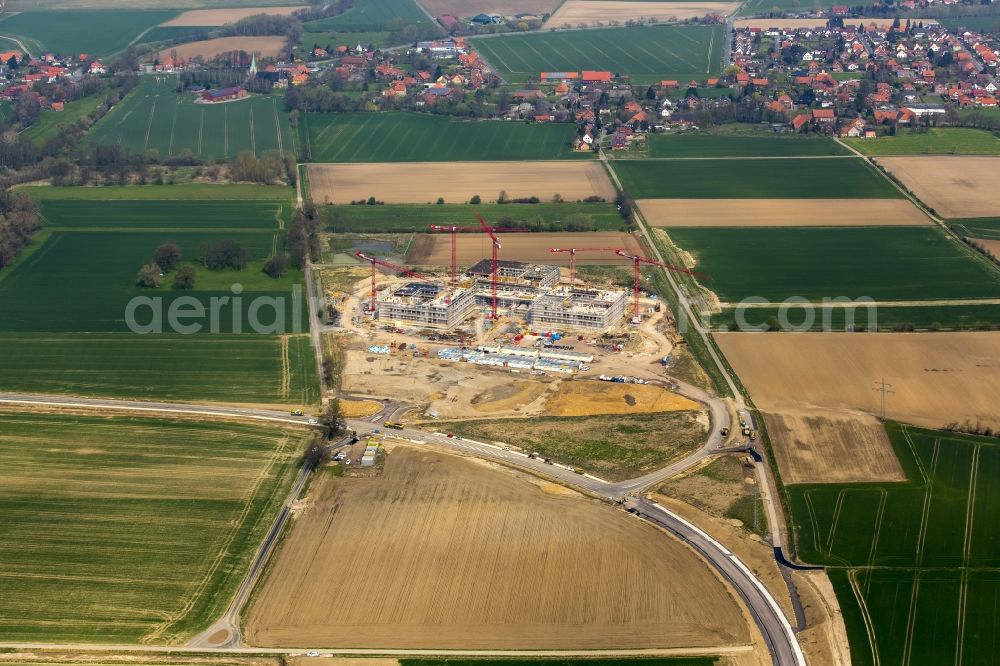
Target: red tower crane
x,y
494,267
572,257
375,261
455,230
636,260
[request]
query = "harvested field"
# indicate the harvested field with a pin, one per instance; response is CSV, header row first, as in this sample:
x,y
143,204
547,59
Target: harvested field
x,y
456,182
472,7
417,543
573,13
780,213
938,378
212,17
822,446
583,398
209,48
952,186
435,249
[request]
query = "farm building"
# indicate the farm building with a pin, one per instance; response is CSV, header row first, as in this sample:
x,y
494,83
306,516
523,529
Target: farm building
x,y
223,94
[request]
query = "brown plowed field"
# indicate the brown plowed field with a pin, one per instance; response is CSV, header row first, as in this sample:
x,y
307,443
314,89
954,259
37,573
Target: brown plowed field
x,y
435,249
823,446
585,398
209,48
593,12
444,552
424,182
952,186
781,213
938,378
210,17
992,246
504,7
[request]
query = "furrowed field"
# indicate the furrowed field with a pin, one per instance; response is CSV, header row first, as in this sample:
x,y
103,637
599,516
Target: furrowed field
x,y
98,33
154,117
647,54
415,137
805,178
916,565
931,141
131,529
884,263
708,145
65,303
411,219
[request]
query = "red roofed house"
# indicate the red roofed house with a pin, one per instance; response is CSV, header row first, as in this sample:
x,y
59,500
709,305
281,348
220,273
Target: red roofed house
x,y
596,77
800,121
823,115
58,106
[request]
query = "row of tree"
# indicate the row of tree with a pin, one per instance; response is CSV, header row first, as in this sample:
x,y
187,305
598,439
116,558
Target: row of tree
x,y
19,220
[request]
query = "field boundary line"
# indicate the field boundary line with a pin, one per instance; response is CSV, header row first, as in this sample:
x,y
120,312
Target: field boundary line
x,y
879,515
149,125
852,578
225,131
173,127
277,125
286,373
253,140
911,617
812,519
201,130
963,588
838,507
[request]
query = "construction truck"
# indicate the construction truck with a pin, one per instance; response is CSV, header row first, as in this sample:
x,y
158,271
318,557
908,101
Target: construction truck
x,y
392,425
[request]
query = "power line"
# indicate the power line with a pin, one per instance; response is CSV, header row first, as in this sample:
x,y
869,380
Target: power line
x,y
883,388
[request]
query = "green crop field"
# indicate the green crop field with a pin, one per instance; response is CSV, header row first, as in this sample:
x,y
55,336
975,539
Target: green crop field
x,y
121,530
749,178
986,228
710,145
335,38
884,263
933,141
65,305
916,564
410,219
95,32
978,23
374,16
416,137
765,7
50,123
154,117
648,54
163,33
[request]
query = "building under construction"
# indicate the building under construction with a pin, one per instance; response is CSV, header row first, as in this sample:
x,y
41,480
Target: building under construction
x,y
529,292
426,304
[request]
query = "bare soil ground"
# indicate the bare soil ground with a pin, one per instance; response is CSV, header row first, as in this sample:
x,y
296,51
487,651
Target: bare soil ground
x,y
212,17
359,408
469,8
456,182
435,249
824,640
586,398
600,12
463,391
780,213
938,378
952,186
823,446
444,552
208,48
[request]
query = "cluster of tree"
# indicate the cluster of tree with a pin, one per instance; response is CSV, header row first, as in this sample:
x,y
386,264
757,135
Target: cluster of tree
x,y
370,201
276,265
19,221
269,168
321,97
259,25
219,77
972,428
570,222
226,254
626,207
166,258
303,241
